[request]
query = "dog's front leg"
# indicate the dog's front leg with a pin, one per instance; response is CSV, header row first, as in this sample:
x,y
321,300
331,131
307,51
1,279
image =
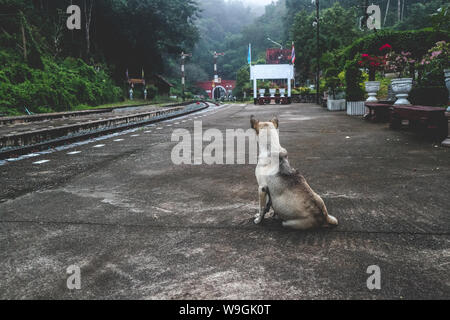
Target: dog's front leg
x,y
262,193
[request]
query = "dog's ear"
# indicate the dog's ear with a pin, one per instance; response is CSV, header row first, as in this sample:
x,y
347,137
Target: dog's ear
x,y
275,122
254,123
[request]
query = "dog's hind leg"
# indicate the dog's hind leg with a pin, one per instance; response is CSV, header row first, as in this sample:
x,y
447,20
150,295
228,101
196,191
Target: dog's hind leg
x,y
264,204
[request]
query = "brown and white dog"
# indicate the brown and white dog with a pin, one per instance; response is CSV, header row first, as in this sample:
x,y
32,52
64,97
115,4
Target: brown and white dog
x,y
282,187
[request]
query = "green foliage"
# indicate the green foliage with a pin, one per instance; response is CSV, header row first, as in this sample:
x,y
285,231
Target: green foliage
x,y
332,80
243,82
441,18
337,29
418,42
152,91
353,81
58,87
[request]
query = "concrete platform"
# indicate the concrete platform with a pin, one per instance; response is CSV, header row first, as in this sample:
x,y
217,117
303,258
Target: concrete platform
x,y
141,227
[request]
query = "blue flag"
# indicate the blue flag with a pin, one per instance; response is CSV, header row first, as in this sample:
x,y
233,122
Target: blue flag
x,y
249,59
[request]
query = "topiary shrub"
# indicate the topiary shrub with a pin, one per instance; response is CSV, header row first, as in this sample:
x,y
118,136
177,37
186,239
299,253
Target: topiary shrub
x,y
429,96
353,81
332,80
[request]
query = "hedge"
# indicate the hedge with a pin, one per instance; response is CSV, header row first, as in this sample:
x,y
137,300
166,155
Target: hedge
x,y
418,42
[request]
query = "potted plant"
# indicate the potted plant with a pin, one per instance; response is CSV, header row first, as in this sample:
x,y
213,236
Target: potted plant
x,y
439,57
354,93
373,64
332,81
262,92
402,64
272,90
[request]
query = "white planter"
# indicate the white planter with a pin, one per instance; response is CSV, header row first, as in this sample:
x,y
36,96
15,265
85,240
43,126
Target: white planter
x,y
356,108
401,88
336,105
372,88
262,92
282,93
272,92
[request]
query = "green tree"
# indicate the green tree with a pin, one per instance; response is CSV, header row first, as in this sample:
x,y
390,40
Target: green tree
x,y
337,29
243,82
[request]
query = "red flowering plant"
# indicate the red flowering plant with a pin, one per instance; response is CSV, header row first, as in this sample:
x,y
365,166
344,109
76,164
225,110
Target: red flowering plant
x,y
374,63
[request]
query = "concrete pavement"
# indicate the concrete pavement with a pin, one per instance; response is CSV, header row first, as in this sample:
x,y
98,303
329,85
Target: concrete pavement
x,y
140,227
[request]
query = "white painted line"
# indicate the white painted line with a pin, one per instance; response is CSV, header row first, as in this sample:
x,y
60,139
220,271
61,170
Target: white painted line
x,y
159,128
118,140
147,132
99,146
41,161
73,152
177,123
135,135
169,125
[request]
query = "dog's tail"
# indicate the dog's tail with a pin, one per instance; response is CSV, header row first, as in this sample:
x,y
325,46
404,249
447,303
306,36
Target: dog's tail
x,y
329,219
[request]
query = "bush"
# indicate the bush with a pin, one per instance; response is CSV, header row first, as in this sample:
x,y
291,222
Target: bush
x,y
59,86
353,81
152,91
332,80
418,42
429,96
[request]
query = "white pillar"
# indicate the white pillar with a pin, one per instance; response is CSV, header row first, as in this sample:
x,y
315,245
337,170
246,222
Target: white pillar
x,y
289,88
255,85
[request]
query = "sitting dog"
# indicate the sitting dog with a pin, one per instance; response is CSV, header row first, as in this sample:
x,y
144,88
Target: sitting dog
x,y
282,187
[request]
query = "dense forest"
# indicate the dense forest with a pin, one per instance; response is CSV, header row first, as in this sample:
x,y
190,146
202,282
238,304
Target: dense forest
x,y
46,66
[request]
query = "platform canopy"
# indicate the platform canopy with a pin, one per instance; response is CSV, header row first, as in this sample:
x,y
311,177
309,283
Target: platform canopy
x,y
271,72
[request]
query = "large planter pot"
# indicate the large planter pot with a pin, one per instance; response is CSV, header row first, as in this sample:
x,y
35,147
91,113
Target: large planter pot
x,y
372,88
356,108
282,93
272,92
401,88
446,142
262,92
336,105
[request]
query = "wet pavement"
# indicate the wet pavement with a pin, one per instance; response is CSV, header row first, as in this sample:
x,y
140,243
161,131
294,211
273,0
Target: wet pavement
x,y
141,227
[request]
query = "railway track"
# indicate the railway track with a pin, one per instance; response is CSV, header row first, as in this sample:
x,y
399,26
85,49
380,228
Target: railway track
x,y
32,135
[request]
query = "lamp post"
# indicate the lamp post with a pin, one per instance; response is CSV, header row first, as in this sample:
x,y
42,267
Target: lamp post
x,y
317,25
216,55
281,46
183,79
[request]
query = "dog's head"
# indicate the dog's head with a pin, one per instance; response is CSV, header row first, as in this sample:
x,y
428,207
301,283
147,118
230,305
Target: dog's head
x,y
267,136
258,125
